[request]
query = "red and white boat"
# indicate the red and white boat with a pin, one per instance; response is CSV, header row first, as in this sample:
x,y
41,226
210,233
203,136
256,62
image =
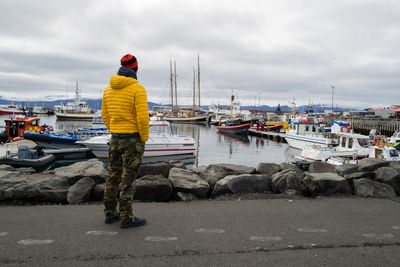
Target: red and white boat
x,y
268,128
10,110
234,129
162,142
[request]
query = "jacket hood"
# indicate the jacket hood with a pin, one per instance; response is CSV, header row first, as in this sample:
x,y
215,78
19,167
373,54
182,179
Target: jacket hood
x,y
119,82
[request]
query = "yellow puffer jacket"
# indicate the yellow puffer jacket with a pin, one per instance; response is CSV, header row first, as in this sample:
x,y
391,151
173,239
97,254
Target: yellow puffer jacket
x,y
124,109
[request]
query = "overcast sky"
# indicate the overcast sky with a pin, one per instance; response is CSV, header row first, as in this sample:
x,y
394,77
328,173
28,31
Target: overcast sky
x,y
273,49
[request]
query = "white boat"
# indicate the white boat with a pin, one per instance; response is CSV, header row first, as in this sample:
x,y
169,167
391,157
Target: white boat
x,y
77,110
351,147
303,134
162,142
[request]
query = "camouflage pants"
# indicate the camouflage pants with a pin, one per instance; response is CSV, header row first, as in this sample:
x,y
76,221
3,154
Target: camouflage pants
x,y
125,156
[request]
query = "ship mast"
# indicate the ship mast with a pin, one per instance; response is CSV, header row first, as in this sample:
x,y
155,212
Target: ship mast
x,y
198,76
194,91
176,92
172,86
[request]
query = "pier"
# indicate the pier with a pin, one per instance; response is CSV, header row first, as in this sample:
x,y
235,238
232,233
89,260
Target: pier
x,y
385,127
277,137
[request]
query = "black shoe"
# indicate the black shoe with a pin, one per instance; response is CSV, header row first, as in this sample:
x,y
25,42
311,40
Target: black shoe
x,y
112,219
135,222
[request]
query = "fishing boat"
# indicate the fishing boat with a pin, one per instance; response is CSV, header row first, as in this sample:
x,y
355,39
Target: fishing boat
x,y
351,146
162,142
268,128
230,128
10,110
77,110
303,134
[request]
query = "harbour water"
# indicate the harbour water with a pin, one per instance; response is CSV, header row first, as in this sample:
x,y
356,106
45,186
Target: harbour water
x,y
212,147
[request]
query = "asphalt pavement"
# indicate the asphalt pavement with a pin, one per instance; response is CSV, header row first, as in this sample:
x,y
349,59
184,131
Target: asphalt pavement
x,y
261,232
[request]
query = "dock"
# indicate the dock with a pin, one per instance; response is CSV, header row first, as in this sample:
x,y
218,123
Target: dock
x,y
277,137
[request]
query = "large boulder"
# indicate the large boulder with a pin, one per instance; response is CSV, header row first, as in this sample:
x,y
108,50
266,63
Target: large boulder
x,y
359,175
371,164
153,188
268,168
368,188
394,164
37,187
81,191
92,168
189,182
215,172
320,167
389,176
288,182
344,169
326,184
243,183
162,169
290,166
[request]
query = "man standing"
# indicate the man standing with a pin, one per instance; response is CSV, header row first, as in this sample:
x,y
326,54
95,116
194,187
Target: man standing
x,y
126,115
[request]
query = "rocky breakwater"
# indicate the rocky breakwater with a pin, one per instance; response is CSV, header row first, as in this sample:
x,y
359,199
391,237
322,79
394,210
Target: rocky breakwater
x,y
84,181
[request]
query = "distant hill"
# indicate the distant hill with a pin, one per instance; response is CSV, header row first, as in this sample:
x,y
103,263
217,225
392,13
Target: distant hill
x,y
96,104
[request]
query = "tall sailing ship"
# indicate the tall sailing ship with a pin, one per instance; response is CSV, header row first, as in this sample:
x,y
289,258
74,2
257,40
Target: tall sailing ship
x,y
77,110
193,115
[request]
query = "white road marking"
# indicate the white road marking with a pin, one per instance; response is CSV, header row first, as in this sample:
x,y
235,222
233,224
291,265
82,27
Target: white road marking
x,y
311,230
379,236
35,242
101,233
160,238
210,231
396,227
265,238
3,233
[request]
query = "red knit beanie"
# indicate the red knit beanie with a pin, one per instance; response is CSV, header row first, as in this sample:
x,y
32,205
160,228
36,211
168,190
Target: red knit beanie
x,y
129,61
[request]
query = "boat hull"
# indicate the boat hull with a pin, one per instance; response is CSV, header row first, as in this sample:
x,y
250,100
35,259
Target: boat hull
x,y
202,119
301,142
73,116
53,141
236,129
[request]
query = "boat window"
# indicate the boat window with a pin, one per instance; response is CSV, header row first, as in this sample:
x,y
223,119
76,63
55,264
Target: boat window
x,y
159,129
393,153
21,125
350,145
343,141
363,142
313,129
35,123
307,128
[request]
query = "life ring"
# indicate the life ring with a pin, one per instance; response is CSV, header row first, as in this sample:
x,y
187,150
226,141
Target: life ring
x,y
379,141
44,130
344,129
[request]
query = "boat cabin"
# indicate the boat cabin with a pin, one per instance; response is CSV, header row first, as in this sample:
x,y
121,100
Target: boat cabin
x,y
350,142
160,127
17,126
307,128
385,152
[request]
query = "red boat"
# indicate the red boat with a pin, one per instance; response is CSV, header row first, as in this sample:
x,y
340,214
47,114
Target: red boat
x,y
272,128
9,110
234,129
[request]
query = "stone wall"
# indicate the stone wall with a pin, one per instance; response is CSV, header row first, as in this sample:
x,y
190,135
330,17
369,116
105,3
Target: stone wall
x,y
171,181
